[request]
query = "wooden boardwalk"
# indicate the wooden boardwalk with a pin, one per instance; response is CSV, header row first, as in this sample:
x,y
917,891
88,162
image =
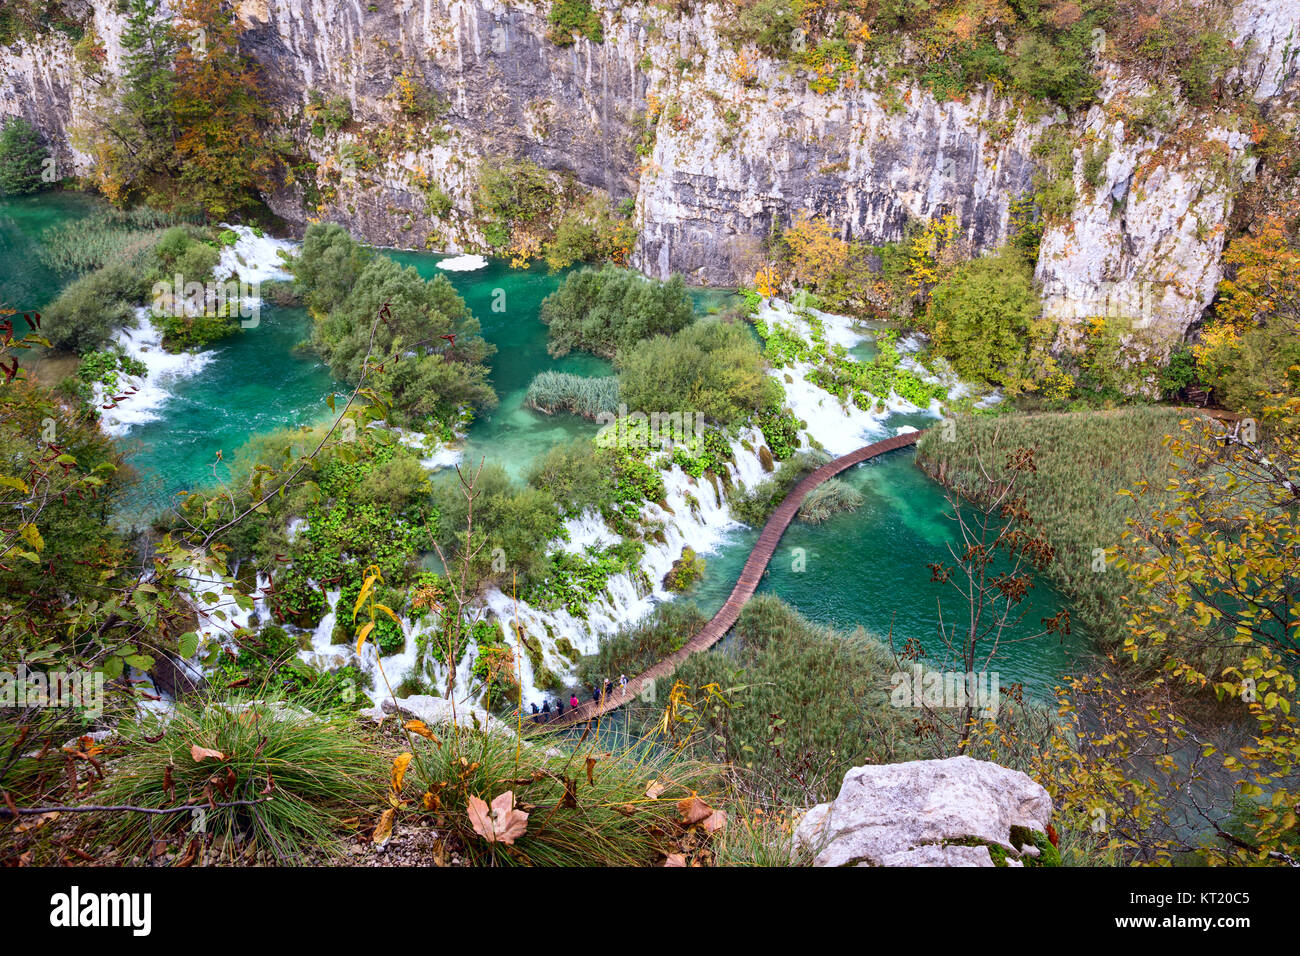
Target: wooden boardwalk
x,y
750,575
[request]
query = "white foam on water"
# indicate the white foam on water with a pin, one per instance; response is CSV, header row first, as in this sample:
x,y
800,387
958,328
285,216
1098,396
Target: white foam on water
x,y
139,398
253,258
465,263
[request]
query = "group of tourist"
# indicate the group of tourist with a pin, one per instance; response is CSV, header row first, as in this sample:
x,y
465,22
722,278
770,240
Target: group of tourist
x,y
547,712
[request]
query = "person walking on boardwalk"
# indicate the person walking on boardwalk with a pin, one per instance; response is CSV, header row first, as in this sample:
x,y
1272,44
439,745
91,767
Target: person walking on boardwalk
x,y
622,682
595,696
573,700
546,711
609,685
559,708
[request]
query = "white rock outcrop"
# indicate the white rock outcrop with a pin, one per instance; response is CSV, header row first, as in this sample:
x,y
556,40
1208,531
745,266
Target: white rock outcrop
x,y
925,813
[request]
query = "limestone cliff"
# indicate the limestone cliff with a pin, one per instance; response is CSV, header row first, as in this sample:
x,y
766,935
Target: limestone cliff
x,y
738,144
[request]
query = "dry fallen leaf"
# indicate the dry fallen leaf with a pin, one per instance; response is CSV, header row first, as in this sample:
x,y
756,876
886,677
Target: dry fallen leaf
x,y
675,859
399,772
203,753
384,828
716,821
591,765
502,824
693,810
421,728
656,787
36,822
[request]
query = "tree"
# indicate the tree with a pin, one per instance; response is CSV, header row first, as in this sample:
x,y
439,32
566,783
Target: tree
x,y
1251,350
1215,610
22,158
135,141
605,310
222,150
985,318
427,354
711,368
995,557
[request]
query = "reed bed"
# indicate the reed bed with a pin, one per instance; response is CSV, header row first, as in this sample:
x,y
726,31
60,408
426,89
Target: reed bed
x,y
552,392
1083,460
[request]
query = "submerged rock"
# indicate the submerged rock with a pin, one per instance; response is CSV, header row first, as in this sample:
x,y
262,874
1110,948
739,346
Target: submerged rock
x,y
927,813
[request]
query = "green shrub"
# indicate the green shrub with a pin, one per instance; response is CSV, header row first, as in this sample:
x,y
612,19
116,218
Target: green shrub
x,y
608,309
770,25
709,368
430,379
984,318
22,158
514,192
87,312
573,18
685,571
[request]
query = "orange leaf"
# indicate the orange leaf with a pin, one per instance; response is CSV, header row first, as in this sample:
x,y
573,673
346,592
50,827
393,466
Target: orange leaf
x,y
502,823
203,753
421,728
399,771
693,810
384,828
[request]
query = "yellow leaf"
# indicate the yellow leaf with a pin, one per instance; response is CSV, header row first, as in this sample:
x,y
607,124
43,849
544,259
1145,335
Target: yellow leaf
x,y
384,828
399,771
389,611
365,632
421,728
366,587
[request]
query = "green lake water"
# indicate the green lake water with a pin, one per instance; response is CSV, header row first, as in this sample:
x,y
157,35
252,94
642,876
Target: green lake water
x,y
865,568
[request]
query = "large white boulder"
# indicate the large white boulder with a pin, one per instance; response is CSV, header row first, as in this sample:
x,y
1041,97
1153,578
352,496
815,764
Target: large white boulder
x,y
926,813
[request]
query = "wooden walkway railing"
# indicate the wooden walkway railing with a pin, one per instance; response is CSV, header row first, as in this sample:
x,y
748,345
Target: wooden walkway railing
x,y
750,576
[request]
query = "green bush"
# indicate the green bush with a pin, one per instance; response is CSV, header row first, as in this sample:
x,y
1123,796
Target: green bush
x,y
511,193
327,266
87,312
430,379
685,571
770,25
984,318
573,18
709,368
22,158
608,309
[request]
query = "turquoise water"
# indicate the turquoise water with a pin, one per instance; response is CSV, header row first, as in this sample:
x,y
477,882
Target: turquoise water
x,y
26,284
865,568
869,567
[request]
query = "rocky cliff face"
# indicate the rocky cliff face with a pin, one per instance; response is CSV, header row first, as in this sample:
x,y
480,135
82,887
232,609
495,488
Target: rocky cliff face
x,y
740,143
